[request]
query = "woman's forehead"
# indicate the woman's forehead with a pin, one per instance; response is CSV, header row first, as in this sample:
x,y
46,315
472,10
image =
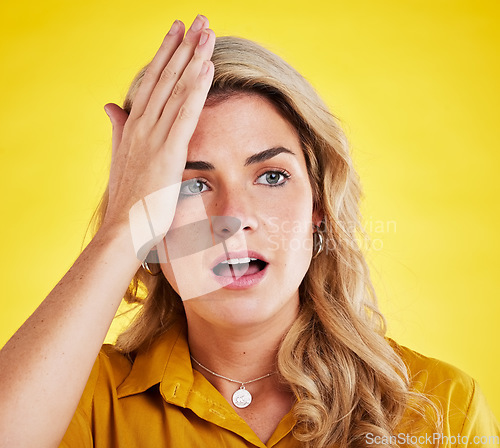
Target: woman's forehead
x,y
241,124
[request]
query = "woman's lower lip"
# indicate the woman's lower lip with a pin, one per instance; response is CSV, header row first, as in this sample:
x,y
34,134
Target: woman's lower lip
x,y
243,282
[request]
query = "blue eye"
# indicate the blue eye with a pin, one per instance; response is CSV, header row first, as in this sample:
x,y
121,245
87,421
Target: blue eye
x,y
274,178
193,187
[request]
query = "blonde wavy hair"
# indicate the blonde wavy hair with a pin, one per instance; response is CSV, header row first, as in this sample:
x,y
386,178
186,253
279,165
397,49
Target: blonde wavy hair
x,y
347,377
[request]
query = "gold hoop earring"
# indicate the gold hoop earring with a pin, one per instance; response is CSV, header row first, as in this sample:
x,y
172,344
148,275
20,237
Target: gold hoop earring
x,y
146,267
320,246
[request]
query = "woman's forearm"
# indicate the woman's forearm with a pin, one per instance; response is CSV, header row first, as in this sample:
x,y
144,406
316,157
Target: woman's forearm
x,y
46,364
44,367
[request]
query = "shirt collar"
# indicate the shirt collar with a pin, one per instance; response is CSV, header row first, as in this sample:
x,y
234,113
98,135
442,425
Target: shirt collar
x,y
167,362
150,365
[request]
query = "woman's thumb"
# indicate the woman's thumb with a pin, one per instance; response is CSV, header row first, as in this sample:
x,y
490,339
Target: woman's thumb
x,y
118,118
116,114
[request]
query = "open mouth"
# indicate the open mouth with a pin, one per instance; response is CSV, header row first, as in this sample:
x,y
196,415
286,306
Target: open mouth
x,y
237,267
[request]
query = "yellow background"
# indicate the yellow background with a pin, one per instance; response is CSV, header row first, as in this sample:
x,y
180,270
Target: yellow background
x,y
416,84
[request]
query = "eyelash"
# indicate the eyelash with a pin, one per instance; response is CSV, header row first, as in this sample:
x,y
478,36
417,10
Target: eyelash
x,y
190,182
283,173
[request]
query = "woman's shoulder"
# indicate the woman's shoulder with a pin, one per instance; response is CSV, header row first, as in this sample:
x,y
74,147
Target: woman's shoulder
x,y
428,374
110,369
463,405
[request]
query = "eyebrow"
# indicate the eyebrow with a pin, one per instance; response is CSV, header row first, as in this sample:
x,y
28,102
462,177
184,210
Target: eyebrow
x,y
255,158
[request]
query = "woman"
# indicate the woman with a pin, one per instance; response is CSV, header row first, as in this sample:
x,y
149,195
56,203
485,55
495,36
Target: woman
x,y
233,185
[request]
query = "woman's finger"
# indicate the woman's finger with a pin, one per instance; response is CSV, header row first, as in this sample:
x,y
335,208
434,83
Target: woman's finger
x,y
175,147
185,84
170,43
168,84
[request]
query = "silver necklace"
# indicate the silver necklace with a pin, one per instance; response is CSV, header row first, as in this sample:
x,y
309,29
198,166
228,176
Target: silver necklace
x,y
241,398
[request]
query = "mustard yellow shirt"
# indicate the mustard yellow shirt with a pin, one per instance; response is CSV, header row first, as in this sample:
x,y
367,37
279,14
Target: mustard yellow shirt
x,y
160,401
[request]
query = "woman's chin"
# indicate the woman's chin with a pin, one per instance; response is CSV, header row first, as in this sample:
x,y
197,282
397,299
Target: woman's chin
x,y
235,310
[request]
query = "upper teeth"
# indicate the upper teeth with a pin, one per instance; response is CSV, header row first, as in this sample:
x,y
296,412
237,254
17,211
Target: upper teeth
x,y
238,260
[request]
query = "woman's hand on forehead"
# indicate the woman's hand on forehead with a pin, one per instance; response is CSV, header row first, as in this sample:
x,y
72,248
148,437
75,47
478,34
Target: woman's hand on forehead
x,y
150,145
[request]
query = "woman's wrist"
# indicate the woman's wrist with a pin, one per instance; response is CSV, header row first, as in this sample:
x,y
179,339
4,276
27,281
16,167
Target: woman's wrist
x,y
117,236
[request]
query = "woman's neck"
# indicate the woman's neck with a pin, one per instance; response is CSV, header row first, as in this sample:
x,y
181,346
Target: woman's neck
x,y
240,354
244,354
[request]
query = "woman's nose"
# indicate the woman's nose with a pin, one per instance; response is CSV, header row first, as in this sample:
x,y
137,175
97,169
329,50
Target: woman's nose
x,y
224,227
233,211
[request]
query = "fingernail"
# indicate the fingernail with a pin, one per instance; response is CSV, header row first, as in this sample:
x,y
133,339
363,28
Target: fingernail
x,y
204,37
174,28
198,23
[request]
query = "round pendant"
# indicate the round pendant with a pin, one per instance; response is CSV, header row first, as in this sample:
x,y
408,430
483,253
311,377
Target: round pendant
x,y
242,398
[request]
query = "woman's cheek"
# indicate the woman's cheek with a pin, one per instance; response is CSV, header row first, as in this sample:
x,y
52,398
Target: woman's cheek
x,y
189,210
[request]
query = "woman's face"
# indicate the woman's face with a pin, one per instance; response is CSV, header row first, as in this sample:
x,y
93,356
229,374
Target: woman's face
x,y
241,240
